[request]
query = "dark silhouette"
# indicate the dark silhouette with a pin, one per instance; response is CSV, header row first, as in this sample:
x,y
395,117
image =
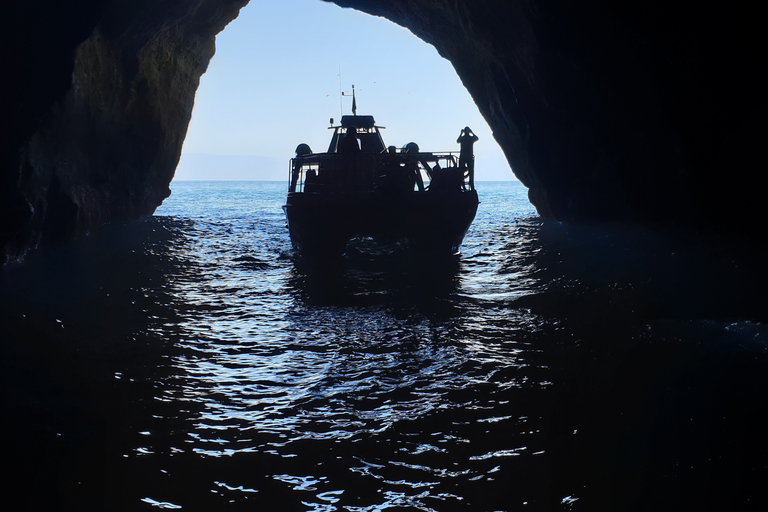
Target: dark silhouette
x,y
412,169
302,150
392,179
349,148
466,157
368,190
400,175
445,179
311,181
295,174
412,164
436,181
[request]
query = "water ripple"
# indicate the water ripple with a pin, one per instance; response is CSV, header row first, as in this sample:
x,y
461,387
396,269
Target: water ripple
x,y
185,362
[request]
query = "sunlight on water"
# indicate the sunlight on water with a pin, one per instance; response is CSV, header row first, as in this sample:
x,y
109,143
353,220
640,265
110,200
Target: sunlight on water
x,y
185,362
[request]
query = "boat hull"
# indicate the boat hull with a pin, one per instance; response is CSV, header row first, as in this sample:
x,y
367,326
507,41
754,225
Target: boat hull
x,y
431,222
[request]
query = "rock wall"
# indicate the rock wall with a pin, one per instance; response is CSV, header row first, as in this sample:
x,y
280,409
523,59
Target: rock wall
x,y
93,124
642,112
634,111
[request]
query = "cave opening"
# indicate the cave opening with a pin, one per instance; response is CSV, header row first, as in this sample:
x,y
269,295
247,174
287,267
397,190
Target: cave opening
x,y
277,79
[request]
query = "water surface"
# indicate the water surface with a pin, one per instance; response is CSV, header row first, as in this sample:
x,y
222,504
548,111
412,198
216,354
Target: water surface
x,y
183,362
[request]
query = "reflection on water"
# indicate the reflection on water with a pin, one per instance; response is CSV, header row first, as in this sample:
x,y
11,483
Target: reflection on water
x,y
185,363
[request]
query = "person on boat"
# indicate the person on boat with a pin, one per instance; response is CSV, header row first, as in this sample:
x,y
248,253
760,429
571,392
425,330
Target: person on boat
x,y
302,150
414,175
412,171
436,178
398,175
311,181
389,177
467,140
419,178
445,178
349,148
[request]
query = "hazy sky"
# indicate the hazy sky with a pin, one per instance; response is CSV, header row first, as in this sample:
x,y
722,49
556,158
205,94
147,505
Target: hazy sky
x,y
274,83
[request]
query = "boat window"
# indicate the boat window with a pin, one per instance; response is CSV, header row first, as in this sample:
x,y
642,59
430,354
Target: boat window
x,y
370,142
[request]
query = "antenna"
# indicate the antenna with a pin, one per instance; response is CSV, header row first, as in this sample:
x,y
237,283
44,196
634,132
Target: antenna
x,y
341,97
341,107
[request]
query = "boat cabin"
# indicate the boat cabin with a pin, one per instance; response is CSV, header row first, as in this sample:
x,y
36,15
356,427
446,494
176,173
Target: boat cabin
x,y
368,134
370,166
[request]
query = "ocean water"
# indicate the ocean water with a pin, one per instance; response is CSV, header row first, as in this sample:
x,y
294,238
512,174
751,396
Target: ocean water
x,y
184,362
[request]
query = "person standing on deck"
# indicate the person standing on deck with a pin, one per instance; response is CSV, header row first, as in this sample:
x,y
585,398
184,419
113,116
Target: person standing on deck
x,y
467,157
349,148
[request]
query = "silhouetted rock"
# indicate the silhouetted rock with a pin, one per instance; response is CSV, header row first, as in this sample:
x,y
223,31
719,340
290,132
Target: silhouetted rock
x,y
648,112
98,100
644,112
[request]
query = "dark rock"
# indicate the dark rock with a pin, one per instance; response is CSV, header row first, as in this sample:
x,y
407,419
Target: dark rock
x,y
645,112
95,116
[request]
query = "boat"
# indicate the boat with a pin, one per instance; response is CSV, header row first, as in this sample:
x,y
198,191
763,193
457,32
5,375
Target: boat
x,y
360,188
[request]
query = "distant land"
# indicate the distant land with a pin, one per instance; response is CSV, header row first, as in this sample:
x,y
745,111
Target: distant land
x,y
203,167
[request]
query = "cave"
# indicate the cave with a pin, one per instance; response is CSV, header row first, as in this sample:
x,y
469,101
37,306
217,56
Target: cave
x,y
646,114
610,356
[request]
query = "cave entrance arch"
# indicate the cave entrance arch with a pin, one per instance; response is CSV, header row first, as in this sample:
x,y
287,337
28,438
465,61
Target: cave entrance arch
x,y
274,83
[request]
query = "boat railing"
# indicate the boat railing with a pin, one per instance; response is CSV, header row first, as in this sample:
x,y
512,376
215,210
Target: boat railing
x,y
323,172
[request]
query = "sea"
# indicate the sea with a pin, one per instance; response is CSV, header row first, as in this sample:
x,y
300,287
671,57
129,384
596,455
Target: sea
x,y
187,361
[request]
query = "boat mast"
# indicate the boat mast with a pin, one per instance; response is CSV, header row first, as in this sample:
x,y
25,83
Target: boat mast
x,y
341,106
341,96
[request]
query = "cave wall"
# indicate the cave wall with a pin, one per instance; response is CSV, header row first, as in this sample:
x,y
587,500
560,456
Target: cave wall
x,y
632,111
643,112
94,120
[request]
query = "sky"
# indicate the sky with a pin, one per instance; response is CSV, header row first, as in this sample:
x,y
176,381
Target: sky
x,y
276,79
